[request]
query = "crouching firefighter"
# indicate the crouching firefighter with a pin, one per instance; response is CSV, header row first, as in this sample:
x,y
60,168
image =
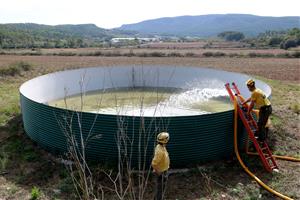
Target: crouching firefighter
x,y
160,164
261,102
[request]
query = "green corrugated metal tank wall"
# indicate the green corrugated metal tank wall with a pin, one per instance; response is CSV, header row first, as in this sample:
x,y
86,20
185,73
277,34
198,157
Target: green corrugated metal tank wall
x,y
193,139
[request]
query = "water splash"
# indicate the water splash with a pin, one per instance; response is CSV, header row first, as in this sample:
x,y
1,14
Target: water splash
x,y
200,91
196,95
188,102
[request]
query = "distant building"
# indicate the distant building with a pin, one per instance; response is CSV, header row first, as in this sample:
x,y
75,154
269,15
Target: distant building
x,y
140,40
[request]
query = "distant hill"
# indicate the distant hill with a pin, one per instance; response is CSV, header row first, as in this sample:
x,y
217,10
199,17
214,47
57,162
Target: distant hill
x,y
36,35
29,35
211,25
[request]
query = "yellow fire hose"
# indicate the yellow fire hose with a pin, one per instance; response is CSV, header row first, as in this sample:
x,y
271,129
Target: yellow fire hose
x,y
256,112
278,157
242,163
275,156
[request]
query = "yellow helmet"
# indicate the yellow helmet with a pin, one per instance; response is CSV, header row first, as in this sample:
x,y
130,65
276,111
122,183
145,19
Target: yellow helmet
x,y
250,83
163,137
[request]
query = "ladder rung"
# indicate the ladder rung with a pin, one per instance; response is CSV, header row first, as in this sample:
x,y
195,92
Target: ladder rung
x,y
251,127
264,148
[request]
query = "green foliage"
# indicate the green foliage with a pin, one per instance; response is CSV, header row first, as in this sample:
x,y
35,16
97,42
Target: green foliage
x,y
190,54
35,193
295,108
29,154
66,184
15,69
289,43
30,35
9,105
296,54
264,55
292,39
214,54
295,32
275,41
3,159
231,35
174,54
283,39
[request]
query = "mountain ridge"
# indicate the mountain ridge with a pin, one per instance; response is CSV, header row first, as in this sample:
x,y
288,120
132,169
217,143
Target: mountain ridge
x,y
211,25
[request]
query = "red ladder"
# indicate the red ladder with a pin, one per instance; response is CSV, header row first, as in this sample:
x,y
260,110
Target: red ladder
x,y
251,126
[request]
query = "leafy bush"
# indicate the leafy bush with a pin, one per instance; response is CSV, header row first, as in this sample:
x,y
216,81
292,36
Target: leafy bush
x,y
263,55
231,35
3,160
295,32
157,54
143,54
208,54
274,41
175,54
296,54
129,54
111,53
213,54
295,108
190,54
65,54
252,54
98,53
284,38
288,43
24,65
233,55
15,69
31,53
219,54
35,193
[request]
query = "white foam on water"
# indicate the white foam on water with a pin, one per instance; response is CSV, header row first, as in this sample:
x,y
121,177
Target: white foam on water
x,y
177,104
196,95
201,91
152,111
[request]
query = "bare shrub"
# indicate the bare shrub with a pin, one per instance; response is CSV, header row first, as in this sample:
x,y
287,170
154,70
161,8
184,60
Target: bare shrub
x,y
127,180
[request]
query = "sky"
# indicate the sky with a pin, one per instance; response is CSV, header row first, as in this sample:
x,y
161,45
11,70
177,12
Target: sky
x,y
114,13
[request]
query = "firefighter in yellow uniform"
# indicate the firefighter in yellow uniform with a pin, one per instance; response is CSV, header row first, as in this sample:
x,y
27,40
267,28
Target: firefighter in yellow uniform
x,y
160,164
261,102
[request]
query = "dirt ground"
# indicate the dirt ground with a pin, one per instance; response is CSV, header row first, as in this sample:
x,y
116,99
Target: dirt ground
x,y
285,69
220,180
165,48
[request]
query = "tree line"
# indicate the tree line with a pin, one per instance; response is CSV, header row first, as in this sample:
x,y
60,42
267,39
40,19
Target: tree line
x,y
20,39
88,35
283,39
44,36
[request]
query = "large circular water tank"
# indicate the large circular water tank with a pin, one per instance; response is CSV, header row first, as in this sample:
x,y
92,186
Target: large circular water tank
x,y
194,138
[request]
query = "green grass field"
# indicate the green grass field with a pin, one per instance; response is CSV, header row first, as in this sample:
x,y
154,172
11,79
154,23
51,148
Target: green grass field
x,y
27,171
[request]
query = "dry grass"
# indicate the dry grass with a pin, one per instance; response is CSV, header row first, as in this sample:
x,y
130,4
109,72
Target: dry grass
x,y
218,180
272,68
164,48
